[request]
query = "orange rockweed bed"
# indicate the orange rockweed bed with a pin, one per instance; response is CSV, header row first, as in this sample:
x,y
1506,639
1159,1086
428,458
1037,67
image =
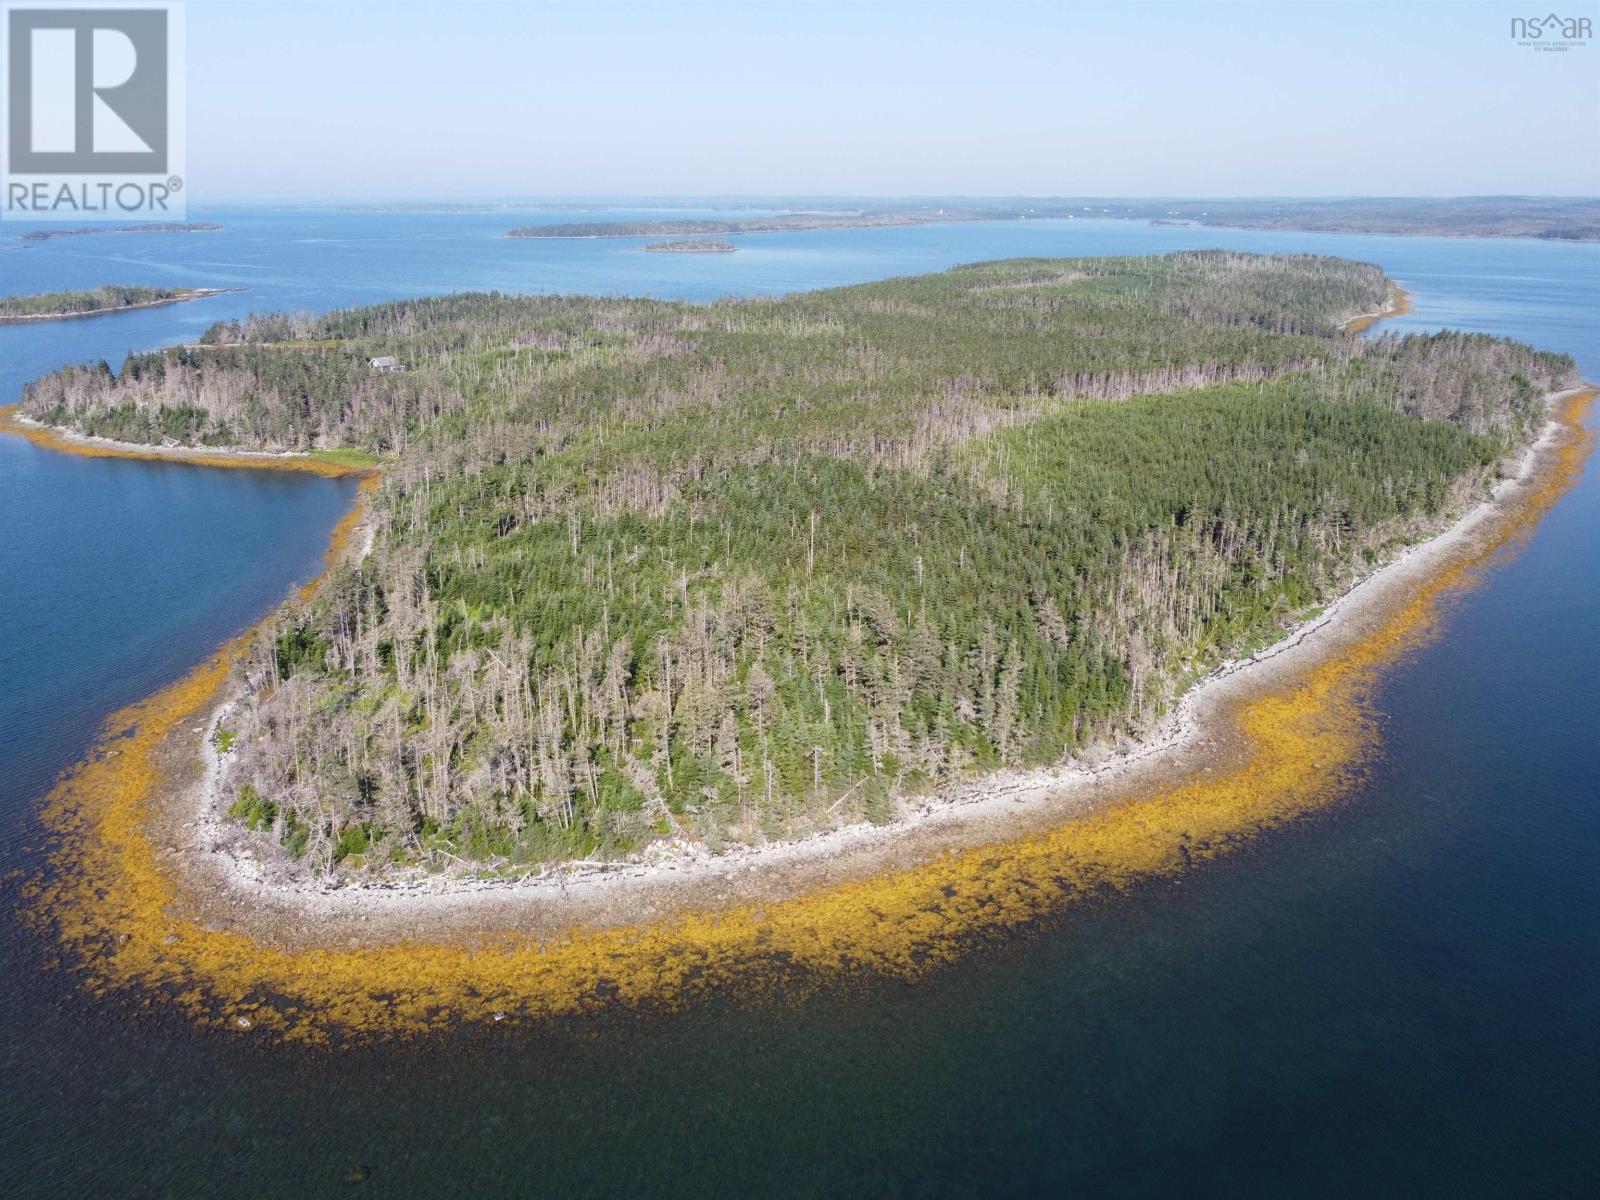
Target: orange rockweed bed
x,y
113,898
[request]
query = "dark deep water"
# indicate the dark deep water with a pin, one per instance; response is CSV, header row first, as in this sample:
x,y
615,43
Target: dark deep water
x,y
1398,995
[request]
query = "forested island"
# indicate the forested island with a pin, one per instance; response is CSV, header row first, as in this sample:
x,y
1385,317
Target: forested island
x,y
57,306
45,235
691,246
743,570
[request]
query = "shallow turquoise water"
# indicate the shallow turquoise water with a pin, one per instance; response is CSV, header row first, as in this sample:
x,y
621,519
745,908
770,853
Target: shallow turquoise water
x,y
1397,995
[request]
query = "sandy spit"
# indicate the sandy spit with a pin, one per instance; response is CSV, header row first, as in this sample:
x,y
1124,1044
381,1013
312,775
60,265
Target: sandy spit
x,y
1399,305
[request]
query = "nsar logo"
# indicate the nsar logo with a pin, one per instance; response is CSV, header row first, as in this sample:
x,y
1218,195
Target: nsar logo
x,y
1551,32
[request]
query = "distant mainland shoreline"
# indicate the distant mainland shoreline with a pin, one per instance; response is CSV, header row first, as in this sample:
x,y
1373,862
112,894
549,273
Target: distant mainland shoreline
x,y
1571,219
710,227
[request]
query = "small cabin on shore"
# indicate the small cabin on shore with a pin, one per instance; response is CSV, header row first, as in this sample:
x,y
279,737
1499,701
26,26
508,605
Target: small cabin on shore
x,y
386,364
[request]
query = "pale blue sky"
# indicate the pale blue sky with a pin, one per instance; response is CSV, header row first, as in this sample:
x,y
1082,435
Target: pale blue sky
x,y
451,99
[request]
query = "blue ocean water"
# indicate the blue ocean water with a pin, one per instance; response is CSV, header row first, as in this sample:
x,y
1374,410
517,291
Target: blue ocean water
x,y
1397,995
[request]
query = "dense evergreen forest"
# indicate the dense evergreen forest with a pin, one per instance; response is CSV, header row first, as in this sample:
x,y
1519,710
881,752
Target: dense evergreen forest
x,y
756,567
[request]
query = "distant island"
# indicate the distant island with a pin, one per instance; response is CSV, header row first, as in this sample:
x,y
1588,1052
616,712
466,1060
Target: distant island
x,y
61,306
1545,217
45,235
691,246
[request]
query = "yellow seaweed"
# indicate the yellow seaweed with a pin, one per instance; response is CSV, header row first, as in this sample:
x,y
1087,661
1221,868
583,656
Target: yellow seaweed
x,y
115,906
55,439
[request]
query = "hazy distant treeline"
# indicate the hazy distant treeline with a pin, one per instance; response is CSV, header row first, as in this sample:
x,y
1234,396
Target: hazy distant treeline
x,y
1551,217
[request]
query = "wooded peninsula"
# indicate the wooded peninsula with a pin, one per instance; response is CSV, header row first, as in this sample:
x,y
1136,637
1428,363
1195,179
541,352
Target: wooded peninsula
x,y
748,569
58,306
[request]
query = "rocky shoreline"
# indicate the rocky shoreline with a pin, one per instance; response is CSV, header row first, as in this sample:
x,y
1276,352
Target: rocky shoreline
x,y
222,868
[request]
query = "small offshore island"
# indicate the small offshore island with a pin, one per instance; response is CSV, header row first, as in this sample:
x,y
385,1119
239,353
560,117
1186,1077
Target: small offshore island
x,y
674,607
46,235
112,298
691,246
